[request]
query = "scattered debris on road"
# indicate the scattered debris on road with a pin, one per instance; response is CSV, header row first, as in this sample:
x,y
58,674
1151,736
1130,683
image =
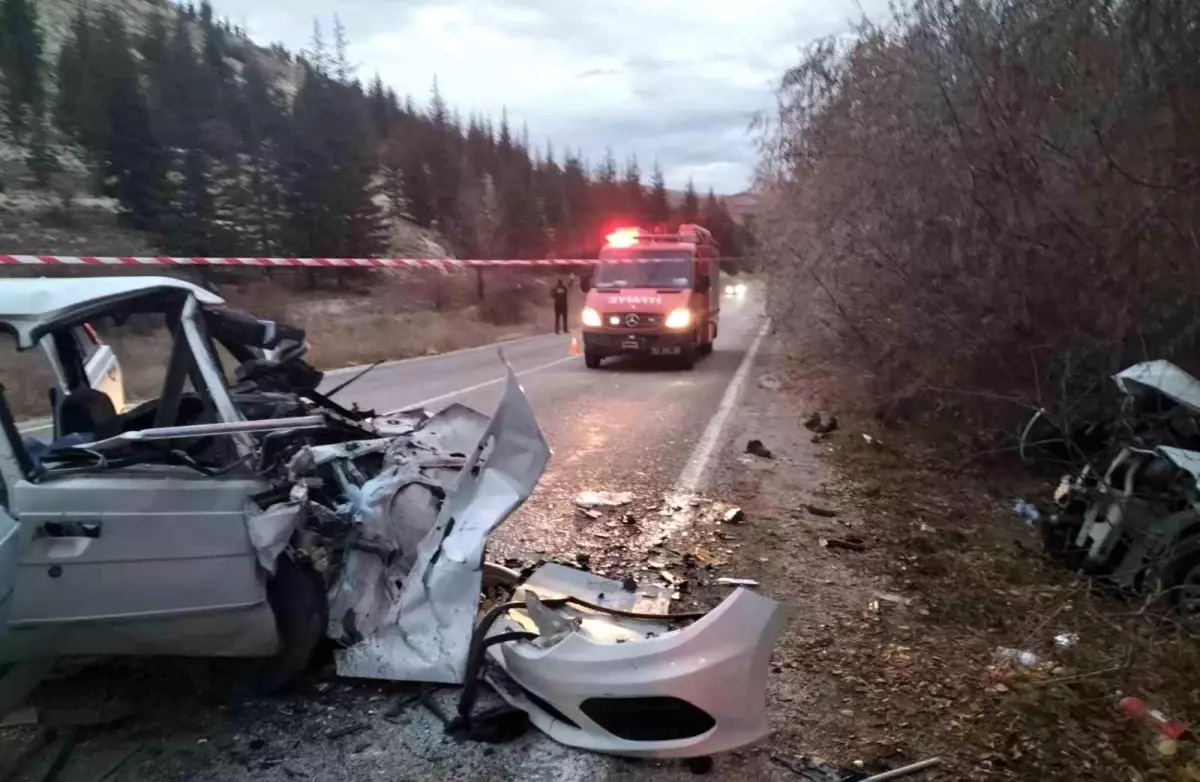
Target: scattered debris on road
x,y
824,513
756,448
848,544
1066,640
738,582
769,383
346,730
1027,511
820,426
1016,657
734,516
603,499
816,770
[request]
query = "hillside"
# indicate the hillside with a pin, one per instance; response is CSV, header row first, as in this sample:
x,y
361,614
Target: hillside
x,y
208,143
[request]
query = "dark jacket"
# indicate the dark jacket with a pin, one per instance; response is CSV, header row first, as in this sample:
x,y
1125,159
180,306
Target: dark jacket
x,y
560,296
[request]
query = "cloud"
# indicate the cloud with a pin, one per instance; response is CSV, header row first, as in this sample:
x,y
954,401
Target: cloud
x,y
676,80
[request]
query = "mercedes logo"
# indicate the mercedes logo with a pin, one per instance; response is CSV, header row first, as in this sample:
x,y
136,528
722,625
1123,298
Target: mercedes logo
x,y
632,320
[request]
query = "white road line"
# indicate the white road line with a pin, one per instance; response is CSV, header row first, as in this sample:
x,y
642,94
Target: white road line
x,y
459,392
693,474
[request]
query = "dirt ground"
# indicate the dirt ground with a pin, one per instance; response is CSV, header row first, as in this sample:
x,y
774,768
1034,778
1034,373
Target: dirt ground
x,y
893,653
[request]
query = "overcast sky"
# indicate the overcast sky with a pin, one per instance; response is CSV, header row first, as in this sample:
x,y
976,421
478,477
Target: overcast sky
x,y
676,80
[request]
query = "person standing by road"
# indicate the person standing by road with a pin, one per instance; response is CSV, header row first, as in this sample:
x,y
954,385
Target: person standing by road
x,y
560,307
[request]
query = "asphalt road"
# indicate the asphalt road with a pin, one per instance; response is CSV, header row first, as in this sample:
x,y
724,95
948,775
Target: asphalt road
x,y
630,426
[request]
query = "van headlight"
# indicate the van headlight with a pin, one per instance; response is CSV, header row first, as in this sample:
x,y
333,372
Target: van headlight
x,y
679,319
591,318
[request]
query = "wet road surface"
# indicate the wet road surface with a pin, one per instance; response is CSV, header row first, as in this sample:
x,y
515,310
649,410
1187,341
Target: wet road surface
x,y
630,426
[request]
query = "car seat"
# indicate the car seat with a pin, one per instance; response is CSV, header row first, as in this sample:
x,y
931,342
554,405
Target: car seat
x,y
86,411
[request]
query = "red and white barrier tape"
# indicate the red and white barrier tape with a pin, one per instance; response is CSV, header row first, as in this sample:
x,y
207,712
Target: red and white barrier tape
x,y
369,263
364,263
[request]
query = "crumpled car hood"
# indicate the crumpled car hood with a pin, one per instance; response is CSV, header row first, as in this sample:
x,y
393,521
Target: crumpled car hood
x,y
414,513
1161,377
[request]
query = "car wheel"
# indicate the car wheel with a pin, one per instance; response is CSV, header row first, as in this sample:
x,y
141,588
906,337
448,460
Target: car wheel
x,y
297,596
591,360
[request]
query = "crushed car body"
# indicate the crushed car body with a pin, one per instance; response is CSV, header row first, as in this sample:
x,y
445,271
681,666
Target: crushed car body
x,y
241,512
162,529
1135,521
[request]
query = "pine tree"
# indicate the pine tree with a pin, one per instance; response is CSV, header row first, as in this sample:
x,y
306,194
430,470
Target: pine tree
x,y
658,206
551,187
216,86
251,203
443,162
580,239
318,54
343,71
135,163
691,204
331,162
152,46
82,107
42,161
381,103
713,218
605,196
20,62
522,225
632,195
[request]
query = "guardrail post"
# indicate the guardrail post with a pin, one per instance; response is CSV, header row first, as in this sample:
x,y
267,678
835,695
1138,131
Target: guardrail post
x,y
479,283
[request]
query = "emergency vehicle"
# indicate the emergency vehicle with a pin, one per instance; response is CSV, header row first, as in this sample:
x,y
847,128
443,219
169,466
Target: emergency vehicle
x,y
652,294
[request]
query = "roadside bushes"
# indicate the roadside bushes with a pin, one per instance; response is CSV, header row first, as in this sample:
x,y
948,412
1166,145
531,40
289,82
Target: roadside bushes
x,y
991,203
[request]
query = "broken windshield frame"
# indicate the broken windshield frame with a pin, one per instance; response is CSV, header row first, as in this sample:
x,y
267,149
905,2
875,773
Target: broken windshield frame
x,y
662,269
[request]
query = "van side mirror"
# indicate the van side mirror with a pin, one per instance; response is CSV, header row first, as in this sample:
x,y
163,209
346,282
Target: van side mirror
x,y
703,284
585,283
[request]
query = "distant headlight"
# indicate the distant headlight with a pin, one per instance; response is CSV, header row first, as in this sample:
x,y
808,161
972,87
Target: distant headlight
x,y
740,289
679,319
591,318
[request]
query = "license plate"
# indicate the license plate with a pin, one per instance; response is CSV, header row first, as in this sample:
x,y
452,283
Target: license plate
x,y
630,344
664,351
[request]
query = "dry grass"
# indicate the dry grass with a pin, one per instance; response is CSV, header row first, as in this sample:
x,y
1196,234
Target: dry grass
x,y
948,537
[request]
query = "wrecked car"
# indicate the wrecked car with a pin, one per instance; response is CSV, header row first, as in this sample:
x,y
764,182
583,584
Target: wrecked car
x,y
241,512
1134,519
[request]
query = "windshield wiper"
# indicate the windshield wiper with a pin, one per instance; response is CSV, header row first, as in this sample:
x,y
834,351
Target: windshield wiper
x,y
355,379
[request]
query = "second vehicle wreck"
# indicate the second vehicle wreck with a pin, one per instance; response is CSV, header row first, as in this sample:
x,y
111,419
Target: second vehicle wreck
x,y
243,513
1135,520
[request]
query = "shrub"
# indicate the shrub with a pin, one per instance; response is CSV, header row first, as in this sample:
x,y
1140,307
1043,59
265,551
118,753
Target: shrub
x,y
993,200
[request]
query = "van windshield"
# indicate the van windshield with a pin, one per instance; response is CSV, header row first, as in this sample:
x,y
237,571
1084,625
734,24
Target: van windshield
x,y
662,269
